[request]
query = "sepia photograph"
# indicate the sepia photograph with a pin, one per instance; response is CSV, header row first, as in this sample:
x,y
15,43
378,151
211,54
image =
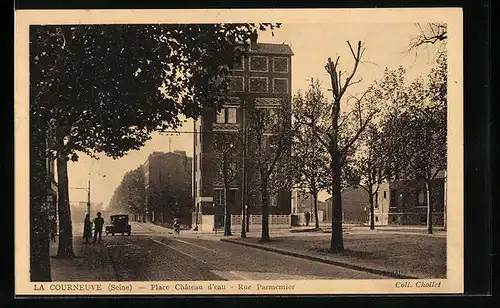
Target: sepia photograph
x,y
239,152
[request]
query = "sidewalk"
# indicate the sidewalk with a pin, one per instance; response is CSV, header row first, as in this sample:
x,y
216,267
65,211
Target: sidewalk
x,y
382,253
91,262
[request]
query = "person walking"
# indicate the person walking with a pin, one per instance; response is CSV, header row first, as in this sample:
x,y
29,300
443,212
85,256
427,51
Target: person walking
x,y
87,229
98,223
53,230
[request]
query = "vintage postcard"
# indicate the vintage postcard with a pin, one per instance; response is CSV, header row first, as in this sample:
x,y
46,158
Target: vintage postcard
x,y
213,152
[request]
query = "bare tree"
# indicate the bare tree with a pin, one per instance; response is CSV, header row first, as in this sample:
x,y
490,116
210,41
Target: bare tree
x,y
225,156
270,147
309,156
338,132
429,34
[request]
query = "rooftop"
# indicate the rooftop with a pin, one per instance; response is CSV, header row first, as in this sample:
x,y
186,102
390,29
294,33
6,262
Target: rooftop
x,y
268,48
271,48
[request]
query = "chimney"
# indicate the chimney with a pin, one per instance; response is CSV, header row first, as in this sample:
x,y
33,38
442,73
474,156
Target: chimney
x,y
253,40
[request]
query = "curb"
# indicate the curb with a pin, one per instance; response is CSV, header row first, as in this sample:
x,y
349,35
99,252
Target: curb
x,y
317,259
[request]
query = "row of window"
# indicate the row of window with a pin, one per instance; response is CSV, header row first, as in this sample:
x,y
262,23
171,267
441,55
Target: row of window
x,y
228,115
258,84
261,64
231,197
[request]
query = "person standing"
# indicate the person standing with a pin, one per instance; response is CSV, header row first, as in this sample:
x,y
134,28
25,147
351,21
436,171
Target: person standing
x,y
308,218
87,229
98,223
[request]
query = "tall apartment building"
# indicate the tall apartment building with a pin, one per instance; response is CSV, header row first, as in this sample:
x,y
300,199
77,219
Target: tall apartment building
x,y
167,179
262,79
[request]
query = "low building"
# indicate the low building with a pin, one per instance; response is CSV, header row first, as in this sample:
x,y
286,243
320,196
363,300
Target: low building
x,y
405,202
401,202
304,202
354,206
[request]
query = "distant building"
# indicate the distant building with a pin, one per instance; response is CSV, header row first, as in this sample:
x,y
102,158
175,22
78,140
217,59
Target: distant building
x,y
401,202
262,80
168,187
302,203
405,202
354,205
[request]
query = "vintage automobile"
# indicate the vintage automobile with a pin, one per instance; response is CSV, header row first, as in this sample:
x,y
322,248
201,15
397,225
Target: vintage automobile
x,y
118,224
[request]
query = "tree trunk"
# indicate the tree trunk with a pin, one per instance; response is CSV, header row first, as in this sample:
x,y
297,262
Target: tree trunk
x,y
265,213
65,249
429,207
337,243
39,223
315,196
227,214
372,210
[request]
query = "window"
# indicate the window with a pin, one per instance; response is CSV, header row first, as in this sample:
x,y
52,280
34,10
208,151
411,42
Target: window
x,y
258,64
258,84
421,197
280,65
227,115
376,218
219,197
239,64
236,84
376,199
267,116
231,115
274,200
385,194
221,116
280,85
394,201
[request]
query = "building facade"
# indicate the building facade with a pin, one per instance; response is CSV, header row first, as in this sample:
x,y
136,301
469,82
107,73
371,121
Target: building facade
x,y
302,203
405,202
354,206
401,202
167,179
260,80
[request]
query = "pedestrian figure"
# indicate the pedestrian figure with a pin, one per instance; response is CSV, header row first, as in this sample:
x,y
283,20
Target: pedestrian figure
x,y
308,217
53,230
98,223
87,229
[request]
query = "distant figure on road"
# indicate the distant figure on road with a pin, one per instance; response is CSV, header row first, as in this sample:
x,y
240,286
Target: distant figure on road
x,y
98,223
87,229
177,226
308,217
53,230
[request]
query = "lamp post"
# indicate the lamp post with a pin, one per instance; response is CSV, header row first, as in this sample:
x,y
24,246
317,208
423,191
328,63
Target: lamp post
x,y
88,193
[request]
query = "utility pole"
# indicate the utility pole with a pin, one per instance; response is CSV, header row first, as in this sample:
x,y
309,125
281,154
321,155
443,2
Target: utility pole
x,y
88,200
244,174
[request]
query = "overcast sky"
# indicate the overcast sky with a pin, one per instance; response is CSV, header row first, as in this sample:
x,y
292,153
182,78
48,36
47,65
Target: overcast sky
x,y
312,44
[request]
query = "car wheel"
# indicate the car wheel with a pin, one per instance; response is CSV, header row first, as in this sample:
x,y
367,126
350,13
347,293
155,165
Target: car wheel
x,y
128,233
113,234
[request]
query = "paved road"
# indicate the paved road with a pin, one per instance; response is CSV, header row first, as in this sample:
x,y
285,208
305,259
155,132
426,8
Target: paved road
x,y
151,254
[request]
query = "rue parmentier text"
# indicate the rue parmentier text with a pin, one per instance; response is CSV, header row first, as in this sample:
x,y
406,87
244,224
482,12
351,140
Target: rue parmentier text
x,y
221,287
418,284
